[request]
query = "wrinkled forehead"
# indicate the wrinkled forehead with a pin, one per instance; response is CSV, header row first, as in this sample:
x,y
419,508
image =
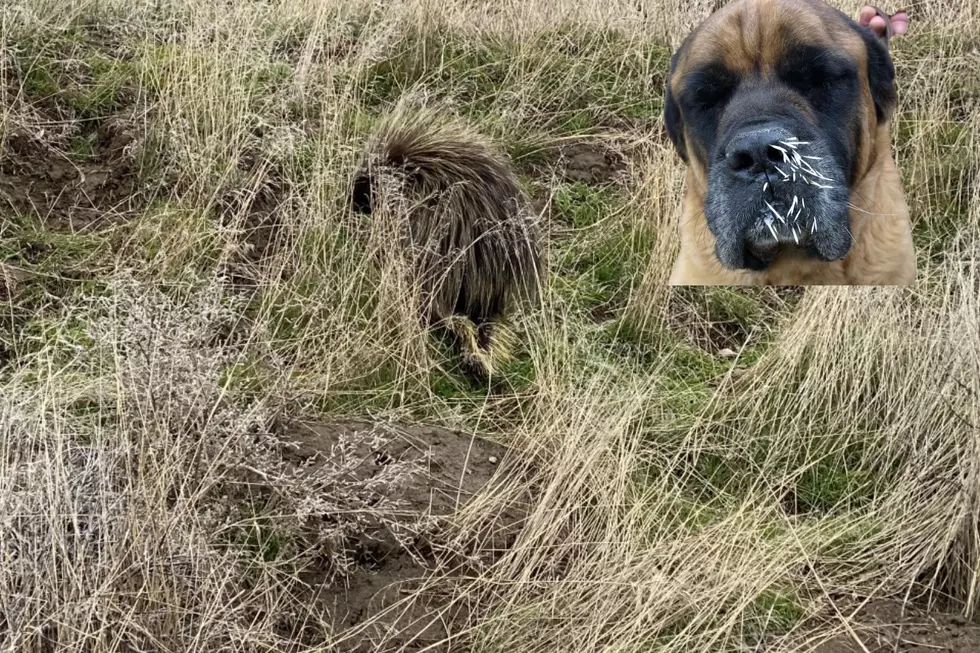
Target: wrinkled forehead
x,y
753,36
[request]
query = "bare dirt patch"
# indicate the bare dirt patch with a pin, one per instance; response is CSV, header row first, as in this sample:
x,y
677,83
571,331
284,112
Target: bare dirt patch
x,y
70,193
889,627
392,563
590,163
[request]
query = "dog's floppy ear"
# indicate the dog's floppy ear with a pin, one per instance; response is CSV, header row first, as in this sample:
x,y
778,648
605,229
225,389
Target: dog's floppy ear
x,y
881,73
672,112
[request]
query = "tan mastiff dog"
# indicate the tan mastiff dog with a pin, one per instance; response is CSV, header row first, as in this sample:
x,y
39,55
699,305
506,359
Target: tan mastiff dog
x,y
780,110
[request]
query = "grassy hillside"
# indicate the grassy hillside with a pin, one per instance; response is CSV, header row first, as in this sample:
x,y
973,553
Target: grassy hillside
x,y
690,470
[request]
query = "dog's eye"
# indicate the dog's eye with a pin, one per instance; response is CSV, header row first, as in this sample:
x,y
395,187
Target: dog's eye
x,y
828,75
710,96
817,73
708,88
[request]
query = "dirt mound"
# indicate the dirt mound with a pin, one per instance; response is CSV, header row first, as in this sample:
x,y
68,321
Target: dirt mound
x,y
390,565
70,192
888,627
590,163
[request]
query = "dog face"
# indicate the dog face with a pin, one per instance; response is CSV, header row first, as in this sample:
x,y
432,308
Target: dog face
x,y
775,105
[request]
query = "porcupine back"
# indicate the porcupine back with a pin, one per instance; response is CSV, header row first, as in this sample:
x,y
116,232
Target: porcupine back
x,y
475,246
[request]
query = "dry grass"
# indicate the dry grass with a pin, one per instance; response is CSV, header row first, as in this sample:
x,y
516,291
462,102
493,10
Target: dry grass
x,y
684,501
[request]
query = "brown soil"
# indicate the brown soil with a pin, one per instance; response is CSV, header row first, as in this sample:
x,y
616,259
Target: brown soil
x,y
69,193
456,467
889,627
590,163
44,187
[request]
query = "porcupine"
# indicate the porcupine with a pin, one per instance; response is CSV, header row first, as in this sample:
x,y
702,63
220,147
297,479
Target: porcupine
x,y
469,230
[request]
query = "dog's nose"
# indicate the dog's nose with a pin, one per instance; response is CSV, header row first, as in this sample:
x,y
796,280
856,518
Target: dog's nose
x,y
752,152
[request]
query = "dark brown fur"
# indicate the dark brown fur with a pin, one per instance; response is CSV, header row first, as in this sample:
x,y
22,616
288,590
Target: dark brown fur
x,y
470,237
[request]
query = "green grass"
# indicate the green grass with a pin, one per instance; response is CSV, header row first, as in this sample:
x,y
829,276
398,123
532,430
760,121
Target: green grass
x,y
51,268
167,228
84,147
39,78
103,91
616,78
76,71
603,257
942,207
774,612
939,150
584,206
